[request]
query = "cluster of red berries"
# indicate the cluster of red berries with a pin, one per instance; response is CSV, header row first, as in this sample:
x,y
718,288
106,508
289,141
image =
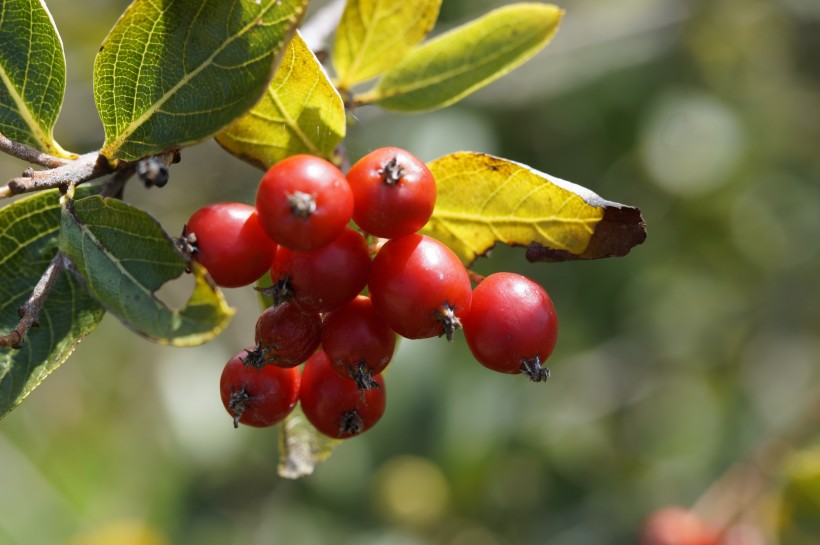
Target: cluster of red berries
x,y
417,287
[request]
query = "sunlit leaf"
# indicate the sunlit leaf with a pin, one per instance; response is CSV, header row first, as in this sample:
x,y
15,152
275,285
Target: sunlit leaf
x,y
32,74
174,72
450,67
28,242
301,447
374,35
483,200
301,112
122,256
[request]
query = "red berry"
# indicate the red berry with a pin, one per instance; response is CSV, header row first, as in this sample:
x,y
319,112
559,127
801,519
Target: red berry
x,y
357,341
228,240
335,405
676,526
324,279
512,326
393,192
258,397
286,336
304,202
419,286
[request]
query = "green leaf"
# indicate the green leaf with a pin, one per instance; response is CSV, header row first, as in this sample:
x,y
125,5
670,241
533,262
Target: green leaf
x,y
301,112
174,72
122,256
32,75
28,242
450,67
301,447
374,35
483,200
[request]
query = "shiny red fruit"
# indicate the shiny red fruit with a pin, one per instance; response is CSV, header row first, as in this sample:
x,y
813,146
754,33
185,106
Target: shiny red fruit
x,y
419,286
304,202
335,405
357,341
393,192
512,326
228,240
258,397
324,279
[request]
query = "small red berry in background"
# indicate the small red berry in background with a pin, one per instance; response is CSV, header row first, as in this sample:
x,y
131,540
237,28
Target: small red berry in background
x,y
228,240
419,286
393,192
258,397
511,326
304,202
286,336
324,279
676,526
358,342
335,405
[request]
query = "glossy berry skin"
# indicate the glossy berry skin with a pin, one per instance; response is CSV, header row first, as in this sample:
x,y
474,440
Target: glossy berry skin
x,y
512,322
676,526
286,335
324,279
335,405
228,240
393,192
357,341
304,202
258,397
419,286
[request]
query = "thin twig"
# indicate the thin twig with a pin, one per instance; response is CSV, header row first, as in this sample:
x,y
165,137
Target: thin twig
x,y
84,168
30,155
29,311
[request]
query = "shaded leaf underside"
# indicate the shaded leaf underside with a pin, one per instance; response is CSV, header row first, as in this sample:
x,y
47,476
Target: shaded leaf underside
x,y
28,242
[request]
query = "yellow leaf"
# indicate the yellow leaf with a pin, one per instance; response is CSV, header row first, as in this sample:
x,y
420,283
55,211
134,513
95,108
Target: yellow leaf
x,y
301,112
373,35
457,63
484,199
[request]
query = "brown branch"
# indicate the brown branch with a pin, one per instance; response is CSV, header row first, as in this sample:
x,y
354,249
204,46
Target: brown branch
x,y
30,155
84,168
29,311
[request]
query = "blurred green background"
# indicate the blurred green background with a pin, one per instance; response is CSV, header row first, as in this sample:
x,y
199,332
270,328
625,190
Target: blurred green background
x,y
672,364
